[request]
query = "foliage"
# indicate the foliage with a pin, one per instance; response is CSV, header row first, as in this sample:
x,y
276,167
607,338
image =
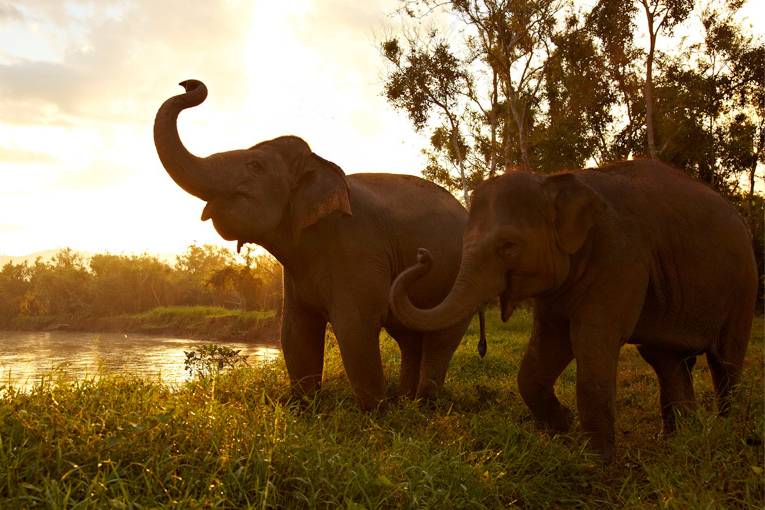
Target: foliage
x,y
129,283
69,288
480,95
124,442
209,360
550,85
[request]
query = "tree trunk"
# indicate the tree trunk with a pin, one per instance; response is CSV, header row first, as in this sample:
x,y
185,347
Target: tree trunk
x,y
460,162
649,129
753,174
493,124
522,144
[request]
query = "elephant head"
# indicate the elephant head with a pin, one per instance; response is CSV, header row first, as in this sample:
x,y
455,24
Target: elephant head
x,y
276,186
522,232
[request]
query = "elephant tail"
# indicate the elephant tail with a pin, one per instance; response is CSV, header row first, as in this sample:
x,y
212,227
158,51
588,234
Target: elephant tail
x,y
482,334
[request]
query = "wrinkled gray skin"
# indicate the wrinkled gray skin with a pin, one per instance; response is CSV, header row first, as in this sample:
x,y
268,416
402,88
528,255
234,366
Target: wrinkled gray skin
x,y
341,239
635,252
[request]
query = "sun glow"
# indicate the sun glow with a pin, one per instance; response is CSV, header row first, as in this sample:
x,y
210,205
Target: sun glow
x,y
81,84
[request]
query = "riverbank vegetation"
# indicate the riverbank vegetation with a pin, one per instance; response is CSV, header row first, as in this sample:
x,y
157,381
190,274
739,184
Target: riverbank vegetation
x,y
208,292
238,441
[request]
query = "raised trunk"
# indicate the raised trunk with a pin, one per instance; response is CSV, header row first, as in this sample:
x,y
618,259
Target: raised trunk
x,y
190,172
465,297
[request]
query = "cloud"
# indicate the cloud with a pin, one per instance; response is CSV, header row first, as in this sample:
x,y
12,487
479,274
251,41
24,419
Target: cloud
x,y
39,84
8,155
9,12
115,58
98,174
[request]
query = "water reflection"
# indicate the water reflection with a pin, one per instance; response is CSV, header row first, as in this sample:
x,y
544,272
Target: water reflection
x,y
25,357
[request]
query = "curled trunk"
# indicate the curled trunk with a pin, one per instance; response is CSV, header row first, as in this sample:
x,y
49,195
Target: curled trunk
x,y
465,297
188,171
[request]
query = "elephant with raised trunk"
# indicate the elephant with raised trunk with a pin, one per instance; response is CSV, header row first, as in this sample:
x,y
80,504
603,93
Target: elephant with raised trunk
x,y
634,252
342,239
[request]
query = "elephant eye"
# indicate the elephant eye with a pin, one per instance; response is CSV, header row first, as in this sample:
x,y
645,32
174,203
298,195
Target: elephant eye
x,y
253,166
508,249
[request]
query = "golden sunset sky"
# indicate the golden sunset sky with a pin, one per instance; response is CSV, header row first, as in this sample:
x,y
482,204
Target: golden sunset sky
x,y
80,82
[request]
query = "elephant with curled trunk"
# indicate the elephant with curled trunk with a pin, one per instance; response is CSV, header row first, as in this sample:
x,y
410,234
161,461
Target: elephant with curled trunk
x,y
341,239
636,252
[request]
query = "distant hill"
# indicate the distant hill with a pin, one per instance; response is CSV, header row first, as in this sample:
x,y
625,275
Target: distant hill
x,y
168,258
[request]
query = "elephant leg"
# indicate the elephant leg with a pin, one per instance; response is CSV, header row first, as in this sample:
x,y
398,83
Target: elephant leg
x,y
547,355
303,333
726,360
596,351
674,370
437,350
410,343
359,342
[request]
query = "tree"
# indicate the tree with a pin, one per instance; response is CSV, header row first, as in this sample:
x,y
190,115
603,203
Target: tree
x,y
423,81
261,286
480,96
710,98
660,15
58,288
574,125
612,25
129,284
14,285
195,268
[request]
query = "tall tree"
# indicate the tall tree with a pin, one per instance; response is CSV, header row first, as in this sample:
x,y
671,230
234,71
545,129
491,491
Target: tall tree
x,y
478,95
578,100
612,24
660,15
427,82
709,97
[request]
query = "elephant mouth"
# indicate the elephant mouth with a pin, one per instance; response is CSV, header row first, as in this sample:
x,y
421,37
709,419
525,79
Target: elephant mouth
x,y
207,211
220,222
507,301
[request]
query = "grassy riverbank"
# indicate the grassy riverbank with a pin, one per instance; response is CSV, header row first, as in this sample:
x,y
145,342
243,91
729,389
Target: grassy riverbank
x,y
238,441
202,322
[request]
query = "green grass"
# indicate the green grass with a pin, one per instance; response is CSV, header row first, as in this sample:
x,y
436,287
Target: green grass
x,y
207,322
238,441
199,312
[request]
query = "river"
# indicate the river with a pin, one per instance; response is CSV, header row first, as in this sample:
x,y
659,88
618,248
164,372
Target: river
x,y
26,357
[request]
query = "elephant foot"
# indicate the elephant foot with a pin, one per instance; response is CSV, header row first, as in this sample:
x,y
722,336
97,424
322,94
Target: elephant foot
x,y
427,392
371,403
604,449
672,415
558,419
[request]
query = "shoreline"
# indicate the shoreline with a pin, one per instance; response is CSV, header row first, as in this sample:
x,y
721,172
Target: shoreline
x,y
197,323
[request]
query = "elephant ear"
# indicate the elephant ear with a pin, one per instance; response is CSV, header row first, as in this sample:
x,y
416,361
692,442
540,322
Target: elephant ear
x,y
576,206
321,189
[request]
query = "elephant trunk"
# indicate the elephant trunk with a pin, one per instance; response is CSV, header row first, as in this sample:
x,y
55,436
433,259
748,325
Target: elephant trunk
x,y
465,297
190,172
